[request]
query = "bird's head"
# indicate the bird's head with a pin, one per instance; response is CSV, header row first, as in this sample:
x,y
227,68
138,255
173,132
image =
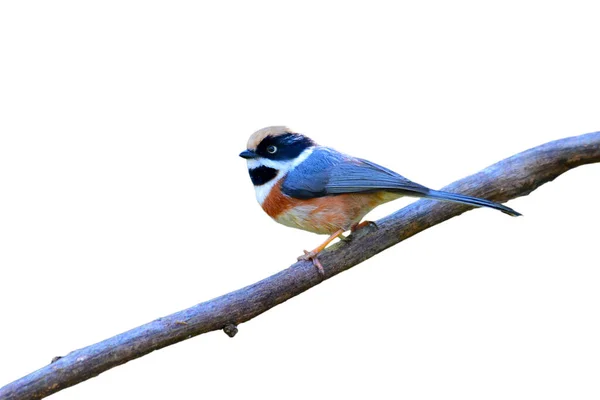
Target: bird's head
x,y
274,151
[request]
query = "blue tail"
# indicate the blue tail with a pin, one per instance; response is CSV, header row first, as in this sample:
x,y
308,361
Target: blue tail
x,y
472,201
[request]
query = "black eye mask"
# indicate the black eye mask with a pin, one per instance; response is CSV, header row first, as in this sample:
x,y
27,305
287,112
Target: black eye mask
x,y
289,146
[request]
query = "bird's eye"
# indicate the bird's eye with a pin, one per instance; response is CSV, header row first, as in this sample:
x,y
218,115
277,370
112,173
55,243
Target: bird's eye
x,y
271,149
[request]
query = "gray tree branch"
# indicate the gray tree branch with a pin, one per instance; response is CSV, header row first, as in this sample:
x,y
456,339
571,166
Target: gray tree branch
x,y
513,177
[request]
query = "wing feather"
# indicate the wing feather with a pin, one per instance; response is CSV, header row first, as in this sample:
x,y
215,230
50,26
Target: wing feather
x,y
361,175
328,172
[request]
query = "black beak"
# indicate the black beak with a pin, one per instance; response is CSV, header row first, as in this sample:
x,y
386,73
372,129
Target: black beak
x,y
247,154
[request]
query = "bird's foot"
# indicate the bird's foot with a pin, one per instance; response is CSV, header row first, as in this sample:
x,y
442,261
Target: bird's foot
x,y
356,227
312,256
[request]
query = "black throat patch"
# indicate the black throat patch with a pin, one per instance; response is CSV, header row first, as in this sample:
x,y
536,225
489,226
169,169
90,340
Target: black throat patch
x,y
262,175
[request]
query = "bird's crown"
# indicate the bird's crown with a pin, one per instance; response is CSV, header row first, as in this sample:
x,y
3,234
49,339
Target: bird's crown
x,y
272,131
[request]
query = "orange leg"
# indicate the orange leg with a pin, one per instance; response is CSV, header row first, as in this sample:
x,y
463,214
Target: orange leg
x,y
356,227
312,255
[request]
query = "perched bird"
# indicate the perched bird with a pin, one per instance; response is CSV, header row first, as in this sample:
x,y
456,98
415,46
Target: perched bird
x,y
304,185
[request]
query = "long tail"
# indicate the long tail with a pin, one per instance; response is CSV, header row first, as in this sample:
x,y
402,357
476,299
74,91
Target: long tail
x,y
472,201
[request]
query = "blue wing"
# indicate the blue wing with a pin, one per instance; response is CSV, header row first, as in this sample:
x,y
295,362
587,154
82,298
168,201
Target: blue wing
x,y
329,172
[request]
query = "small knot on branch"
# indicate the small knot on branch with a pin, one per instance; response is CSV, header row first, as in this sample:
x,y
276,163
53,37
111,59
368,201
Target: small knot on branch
x,y
230,330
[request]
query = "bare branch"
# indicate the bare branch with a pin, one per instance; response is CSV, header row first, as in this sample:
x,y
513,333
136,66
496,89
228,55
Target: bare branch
x,y
513,177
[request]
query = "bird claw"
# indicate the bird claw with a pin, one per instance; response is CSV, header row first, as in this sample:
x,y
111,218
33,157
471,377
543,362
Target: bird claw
x,y
312,256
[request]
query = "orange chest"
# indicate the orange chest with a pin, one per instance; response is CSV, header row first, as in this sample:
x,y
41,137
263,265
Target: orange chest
x,y
277,203
324,214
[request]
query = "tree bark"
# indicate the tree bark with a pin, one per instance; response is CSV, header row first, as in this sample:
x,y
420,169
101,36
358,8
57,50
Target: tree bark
x,y
513,177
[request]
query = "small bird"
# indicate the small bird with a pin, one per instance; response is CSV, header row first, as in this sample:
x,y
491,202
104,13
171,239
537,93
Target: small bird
x,y
303,185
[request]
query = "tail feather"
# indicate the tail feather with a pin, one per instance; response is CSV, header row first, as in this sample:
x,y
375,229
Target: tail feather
x,y
472,201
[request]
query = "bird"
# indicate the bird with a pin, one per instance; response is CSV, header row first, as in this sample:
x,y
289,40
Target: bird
x,y
304,185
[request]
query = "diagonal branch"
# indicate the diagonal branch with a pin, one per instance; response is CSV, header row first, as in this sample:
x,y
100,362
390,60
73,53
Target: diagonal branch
x,y
513,177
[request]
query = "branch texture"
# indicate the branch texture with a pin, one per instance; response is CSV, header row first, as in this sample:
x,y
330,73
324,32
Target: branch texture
x,y
513,177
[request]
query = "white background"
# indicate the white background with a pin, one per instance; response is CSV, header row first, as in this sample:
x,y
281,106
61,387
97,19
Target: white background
x,y
123,198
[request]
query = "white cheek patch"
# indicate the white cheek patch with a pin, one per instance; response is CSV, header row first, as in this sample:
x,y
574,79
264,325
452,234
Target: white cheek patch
x,y
278,165
286,165
253,163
